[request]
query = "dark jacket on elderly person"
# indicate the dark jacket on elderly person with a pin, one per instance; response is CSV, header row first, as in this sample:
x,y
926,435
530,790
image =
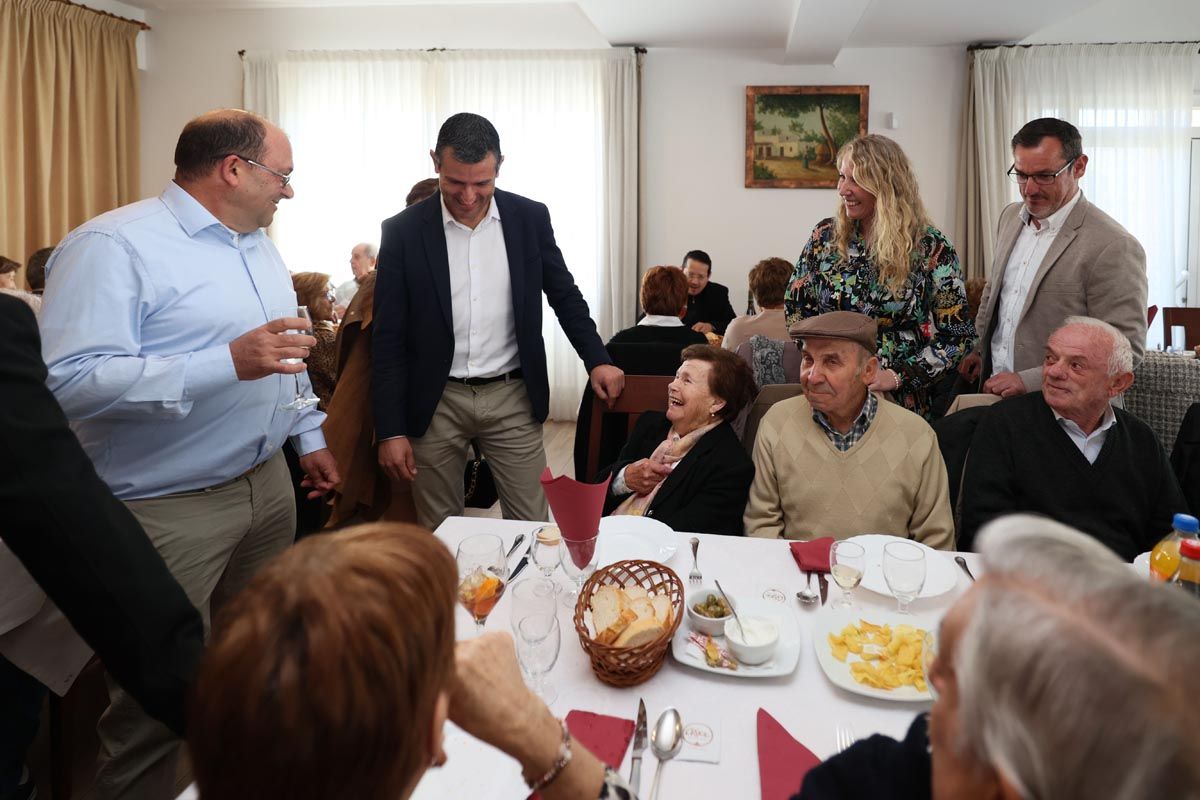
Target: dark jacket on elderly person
x,y
708,488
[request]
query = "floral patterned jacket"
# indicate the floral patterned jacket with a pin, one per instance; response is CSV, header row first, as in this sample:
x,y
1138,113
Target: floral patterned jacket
x,y
924,329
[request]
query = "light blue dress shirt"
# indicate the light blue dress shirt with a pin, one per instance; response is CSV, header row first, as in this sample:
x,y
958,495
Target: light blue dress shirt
x,y
140,306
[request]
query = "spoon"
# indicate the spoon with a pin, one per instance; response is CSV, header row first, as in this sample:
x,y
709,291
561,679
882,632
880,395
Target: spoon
x,y
729,603
962,562
516,543
666,740
808,596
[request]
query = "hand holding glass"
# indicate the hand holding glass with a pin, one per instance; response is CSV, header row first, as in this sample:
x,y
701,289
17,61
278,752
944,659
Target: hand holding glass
x,y
482,574
299,402
847,561
538,640
904,571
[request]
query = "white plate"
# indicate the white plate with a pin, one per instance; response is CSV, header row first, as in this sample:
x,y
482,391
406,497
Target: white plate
x,y
625,537
830,620
782,661
1142,564
940,573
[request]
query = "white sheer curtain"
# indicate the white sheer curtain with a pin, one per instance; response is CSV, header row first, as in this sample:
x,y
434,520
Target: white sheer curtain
x,y
362,124
1132,104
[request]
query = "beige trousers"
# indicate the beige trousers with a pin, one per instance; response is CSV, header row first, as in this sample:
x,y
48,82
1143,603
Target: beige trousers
x,y
500,416
213,541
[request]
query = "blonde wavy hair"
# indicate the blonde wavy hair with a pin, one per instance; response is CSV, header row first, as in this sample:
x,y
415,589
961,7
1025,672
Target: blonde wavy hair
x,y
899,221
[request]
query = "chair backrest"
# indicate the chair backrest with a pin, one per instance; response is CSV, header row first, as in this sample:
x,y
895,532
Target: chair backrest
x,y
767,397
642,393
1189,318
771,361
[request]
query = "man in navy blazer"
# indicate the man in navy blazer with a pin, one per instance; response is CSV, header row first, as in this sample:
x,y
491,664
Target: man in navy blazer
x,y
457,350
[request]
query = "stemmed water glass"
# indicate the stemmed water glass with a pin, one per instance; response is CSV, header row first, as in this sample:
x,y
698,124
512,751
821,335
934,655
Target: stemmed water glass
x,y
538,640
547,541
299,402
847,561
532,596
578,559
482,575
904,571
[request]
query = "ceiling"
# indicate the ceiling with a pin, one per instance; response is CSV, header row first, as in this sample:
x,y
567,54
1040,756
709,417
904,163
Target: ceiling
x,y
806,31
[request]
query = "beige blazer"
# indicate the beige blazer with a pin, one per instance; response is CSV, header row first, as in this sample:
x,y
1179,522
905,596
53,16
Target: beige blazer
x,y
1094,268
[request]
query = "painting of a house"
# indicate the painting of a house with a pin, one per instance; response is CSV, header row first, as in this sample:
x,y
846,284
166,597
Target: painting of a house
x,y
793,133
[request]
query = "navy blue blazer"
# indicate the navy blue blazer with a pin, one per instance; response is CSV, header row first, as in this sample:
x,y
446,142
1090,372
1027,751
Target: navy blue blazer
x,y
413,341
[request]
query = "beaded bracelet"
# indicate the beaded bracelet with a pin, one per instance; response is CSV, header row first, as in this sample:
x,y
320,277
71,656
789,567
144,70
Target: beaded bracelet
x,y
896,378
564,758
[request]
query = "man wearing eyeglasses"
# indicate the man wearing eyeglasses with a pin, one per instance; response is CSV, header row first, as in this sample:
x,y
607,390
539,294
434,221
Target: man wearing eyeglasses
x,y
165,327
1057,255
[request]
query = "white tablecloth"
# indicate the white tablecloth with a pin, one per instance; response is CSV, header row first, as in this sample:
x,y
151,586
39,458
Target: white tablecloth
x,y
805,702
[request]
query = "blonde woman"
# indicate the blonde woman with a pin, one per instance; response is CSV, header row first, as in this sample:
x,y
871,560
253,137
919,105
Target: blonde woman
x,y
880,257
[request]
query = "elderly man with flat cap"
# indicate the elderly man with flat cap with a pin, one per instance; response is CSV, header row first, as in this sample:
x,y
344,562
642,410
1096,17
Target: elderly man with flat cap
x,y
841,460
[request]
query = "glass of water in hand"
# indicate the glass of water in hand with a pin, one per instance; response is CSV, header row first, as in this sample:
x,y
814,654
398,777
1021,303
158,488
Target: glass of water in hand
x,y
904,571
299,402
847,561
538,640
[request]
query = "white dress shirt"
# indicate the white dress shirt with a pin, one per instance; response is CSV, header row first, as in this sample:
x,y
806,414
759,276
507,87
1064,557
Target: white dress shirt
x,y
1030,248
1088,443
481,307
660,321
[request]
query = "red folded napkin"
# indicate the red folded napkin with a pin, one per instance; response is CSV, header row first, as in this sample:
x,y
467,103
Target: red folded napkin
x,y
604,736
782,761
577,508
812,556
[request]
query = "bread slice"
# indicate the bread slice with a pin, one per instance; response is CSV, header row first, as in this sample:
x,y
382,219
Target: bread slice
x,y
610,634
606,607
643,608
636,592
640,631
662,610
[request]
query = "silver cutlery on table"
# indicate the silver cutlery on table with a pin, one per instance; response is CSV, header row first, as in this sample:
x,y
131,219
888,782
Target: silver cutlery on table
x,y
808,597
962,562
844,736
639,745
694,576
666,741
516,543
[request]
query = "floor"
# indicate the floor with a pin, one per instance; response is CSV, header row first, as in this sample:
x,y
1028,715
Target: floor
x,y
88,697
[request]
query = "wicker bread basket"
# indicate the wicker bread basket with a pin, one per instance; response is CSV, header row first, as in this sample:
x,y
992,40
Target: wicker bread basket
x,y
629,666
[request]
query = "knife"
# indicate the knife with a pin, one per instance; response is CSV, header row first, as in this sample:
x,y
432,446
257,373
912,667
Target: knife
x,y
823,585
522,564
516,543
639,744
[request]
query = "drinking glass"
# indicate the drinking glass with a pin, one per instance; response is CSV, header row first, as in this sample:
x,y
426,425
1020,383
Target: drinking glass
x,y
847,561
299,402
904,571
538,639
578,559
532,596
546,544
482,574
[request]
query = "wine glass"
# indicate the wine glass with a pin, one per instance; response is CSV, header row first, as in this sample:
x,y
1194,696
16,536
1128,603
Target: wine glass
x,y
904,571
847,561
546,543
538,640
532,596
482,574
299,402
578,559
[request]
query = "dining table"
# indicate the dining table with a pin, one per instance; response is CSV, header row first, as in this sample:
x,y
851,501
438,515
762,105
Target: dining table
x,y
805,702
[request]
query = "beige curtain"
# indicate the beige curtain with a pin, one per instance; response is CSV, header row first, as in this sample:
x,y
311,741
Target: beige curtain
x,y
69,129
973,242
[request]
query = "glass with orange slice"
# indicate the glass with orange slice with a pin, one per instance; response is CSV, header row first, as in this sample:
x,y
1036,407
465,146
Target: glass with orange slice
x,y
482,575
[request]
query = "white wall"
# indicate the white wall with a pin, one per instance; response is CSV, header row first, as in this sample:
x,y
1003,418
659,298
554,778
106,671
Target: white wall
x,y
693,150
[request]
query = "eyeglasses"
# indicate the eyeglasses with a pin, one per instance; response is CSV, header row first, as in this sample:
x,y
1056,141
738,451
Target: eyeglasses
x,y
285,178
1041,178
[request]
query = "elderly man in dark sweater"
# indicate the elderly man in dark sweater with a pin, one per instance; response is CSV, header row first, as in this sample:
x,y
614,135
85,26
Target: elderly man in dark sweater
x,y
1067,453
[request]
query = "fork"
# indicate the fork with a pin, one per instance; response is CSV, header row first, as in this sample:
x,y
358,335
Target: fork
x,y
694,576
844,736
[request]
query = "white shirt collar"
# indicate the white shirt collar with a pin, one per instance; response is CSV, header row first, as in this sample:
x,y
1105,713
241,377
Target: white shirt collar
x,y
661,321
1107,421
448,218
1055,220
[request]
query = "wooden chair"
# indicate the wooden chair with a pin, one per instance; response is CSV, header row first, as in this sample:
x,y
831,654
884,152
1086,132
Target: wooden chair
x,y
767,396
1189,318
642,393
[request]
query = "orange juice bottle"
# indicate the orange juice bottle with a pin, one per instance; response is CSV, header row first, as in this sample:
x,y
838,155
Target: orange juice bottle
x,y
1164,558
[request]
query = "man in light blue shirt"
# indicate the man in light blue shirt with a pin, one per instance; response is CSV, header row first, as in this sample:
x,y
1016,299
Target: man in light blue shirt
x,y
164,331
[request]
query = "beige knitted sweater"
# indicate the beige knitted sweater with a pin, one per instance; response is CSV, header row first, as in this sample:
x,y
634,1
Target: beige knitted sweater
x,y
892,481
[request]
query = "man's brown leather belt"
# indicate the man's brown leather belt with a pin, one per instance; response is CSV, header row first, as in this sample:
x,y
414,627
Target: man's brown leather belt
x,y
508,376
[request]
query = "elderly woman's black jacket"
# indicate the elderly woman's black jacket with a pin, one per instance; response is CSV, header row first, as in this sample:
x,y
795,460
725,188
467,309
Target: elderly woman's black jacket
x,y
707,491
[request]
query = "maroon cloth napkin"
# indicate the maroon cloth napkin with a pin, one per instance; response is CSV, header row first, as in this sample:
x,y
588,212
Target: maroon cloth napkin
x,y
605,737
812,556
577,508
782,761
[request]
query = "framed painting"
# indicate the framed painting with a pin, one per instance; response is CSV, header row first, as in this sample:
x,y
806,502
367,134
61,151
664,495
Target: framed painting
x,y
793,133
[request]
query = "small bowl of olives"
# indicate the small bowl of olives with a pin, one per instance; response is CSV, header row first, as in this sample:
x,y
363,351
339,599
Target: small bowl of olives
x,y
707,611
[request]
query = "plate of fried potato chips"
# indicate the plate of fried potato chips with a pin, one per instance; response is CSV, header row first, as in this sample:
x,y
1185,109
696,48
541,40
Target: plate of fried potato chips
x,y
873,653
